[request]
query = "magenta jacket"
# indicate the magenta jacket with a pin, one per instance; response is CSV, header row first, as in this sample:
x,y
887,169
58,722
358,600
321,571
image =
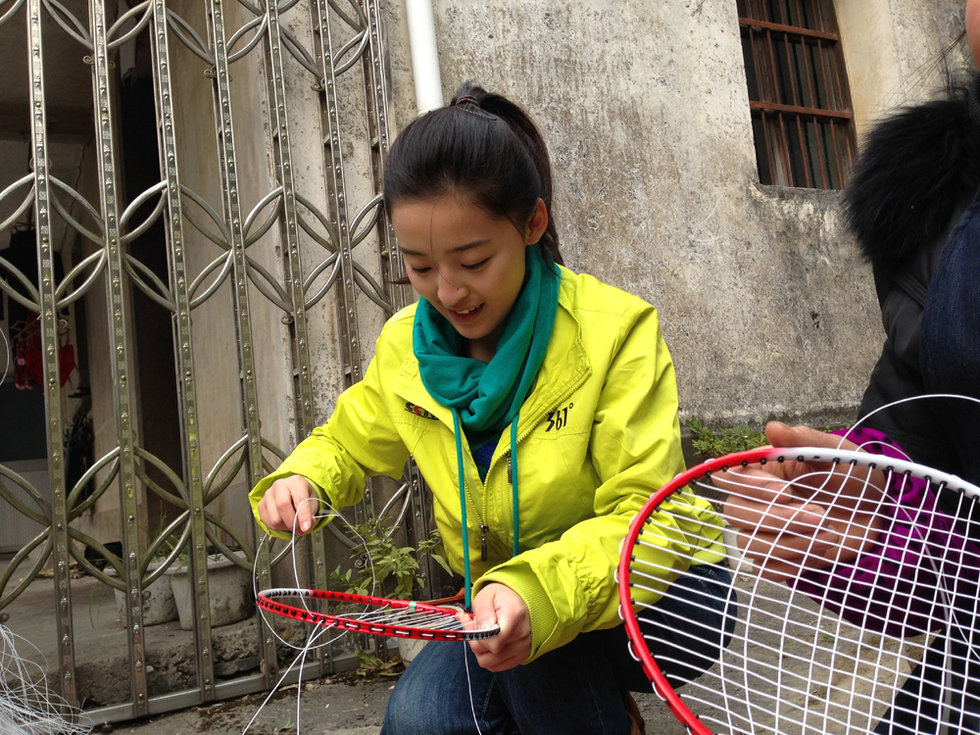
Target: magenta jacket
x,y
877,590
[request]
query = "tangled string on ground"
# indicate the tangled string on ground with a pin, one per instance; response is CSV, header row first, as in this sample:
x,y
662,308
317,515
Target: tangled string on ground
x,y
27,705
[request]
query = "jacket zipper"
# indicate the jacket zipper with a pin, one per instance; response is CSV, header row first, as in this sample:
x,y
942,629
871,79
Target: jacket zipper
x,y
485,529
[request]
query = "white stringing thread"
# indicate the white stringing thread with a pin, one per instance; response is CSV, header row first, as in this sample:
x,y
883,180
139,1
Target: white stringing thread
x,y
321,630
318,630
7,351
900,401
469,687
27,706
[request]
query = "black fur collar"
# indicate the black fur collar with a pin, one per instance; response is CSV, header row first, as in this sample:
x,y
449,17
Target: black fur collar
x,y
917,169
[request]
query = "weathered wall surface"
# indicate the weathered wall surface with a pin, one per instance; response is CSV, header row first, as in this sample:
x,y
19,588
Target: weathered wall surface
x,y
767,308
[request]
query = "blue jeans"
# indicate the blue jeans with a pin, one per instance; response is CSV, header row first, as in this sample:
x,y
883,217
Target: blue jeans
x,y
578,688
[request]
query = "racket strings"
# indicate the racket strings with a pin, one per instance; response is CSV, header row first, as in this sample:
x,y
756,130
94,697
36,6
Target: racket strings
x,y
829,654
298,663
794,673
305,645
402,618
324,511
383,613
925,547
445,621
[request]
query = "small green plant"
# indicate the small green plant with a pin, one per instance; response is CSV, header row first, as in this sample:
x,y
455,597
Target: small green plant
x,y
710,443
370,666
162,543
391,569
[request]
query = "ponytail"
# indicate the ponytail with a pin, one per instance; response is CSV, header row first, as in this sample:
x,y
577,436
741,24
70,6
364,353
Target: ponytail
x,y
483,146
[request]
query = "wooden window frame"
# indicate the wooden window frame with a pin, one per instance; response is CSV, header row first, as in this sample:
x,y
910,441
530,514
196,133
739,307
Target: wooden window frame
x,y
798,92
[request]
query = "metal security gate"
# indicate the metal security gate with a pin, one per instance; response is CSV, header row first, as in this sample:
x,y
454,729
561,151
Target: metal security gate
x,y
193,257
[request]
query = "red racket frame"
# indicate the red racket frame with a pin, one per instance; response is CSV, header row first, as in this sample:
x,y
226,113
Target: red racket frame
x,y
266,600
666,692
760,455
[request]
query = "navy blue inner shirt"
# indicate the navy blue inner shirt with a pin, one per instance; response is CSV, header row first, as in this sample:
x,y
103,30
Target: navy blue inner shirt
x,y
482,455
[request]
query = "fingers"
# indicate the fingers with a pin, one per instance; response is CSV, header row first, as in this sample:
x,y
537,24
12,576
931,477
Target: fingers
x,y
497,603
282,508
305,510
780,561
783,435
794,518
816,481
856,483
779,536
780,533
753,483
791,516
782,554
492,656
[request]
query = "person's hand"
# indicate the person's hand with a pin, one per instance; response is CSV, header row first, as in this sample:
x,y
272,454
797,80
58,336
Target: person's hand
x,y
787,522
498,603
973,28
283,507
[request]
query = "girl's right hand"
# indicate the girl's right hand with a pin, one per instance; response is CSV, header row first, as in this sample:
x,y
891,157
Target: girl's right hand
x,y
282,507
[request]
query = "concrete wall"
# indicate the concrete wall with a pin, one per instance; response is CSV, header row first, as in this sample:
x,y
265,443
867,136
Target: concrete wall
x,y
767,308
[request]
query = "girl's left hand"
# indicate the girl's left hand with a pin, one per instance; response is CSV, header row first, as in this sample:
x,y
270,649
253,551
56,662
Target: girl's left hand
x,y
498,603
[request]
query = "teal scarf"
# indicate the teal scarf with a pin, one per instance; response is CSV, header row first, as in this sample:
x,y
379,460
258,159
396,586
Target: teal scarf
x,y
487,396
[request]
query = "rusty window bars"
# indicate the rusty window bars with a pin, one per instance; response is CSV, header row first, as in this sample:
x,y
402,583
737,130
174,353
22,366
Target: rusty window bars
x,y
798,92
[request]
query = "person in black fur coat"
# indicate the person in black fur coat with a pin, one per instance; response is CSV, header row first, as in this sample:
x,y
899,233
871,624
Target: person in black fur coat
x,y
914,205
911,198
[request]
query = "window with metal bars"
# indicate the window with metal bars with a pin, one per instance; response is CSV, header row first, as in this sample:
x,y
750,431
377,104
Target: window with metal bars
x,y
798,92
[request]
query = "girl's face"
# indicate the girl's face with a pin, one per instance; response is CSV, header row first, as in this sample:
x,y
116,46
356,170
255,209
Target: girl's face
x,y
468,264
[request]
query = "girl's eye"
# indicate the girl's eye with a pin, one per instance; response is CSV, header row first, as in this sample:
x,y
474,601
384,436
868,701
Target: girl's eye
x,y
421,270
474,266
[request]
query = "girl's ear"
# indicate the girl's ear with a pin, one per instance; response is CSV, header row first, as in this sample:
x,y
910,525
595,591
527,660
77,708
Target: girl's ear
x,y
538,223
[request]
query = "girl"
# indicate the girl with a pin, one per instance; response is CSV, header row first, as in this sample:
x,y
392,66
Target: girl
x,y
541,408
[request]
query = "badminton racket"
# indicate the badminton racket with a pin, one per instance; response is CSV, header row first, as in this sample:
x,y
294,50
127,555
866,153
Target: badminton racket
x,y
347,611
875,627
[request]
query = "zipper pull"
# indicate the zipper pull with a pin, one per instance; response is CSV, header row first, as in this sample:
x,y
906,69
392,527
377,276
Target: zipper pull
x,y
484,530
510,470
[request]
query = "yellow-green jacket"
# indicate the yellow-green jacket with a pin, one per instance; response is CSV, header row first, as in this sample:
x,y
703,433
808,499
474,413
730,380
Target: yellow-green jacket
x,y
597,435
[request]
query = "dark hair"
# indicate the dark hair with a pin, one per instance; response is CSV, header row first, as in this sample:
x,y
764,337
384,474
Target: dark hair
x,y
482,145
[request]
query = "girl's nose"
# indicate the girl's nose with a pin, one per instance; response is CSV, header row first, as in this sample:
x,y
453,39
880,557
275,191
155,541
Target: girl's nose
x,y
449,293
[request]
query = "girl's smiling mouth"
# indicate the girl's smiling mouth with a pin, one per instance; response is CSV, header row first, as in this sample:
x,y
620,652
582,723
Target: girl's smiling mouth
x,y
467,314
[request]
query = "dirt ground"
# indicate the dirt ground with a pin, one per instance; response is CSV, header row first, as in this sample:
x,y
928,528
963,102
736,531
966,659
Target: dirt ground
x,y
343,705
330,705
